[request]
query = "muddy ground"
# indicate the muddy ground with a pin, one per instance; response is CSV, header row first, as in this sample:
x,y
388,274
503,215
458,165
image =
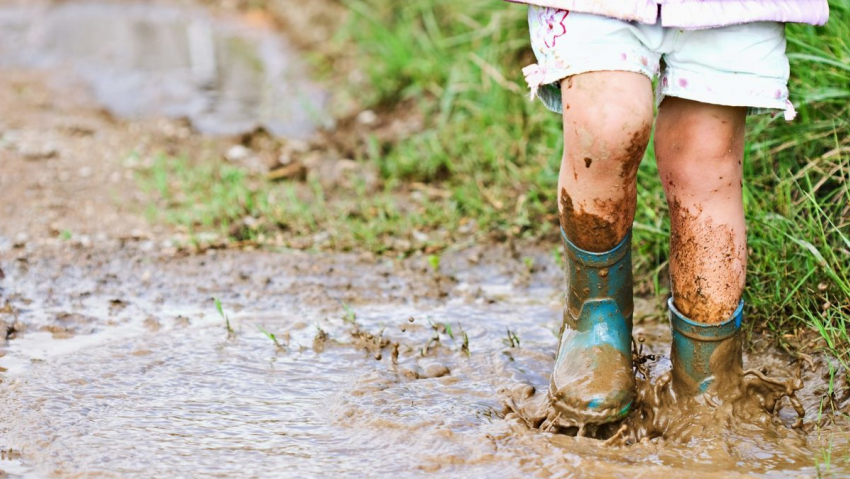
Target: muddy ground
x,y
115,362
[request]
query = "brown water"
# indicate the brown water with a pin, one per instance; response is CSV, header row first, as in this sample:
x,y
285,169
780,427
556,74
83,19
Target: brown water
x,y
124,369
226,75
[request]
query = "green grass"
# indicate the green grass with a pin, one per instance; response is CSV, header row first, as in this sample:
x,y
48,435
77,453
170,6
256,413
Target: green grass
x,y
493,156
224,316
202,196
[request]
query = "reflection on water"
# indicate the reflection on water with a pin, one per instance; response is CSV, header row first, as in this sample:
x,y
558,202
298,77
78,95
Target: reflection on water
x,y
225,76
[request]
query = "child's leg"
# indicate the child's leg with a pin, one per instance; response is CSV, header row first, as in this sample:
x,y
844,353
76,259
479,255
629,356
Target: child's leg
x,y
607,124
700,148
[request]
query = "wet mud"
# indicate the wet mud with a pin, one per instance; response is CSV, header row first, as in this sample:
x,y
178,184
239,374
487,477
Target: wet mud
x,y
588,231
567,410
706,266
408,378
756,416
602,232
738,402
634,152
597,205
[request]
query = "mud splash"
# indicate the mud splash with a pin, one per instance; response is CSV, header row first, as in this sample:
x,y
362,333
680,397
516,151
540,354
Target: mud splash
x,y
745,422
227,76
156,380
673,408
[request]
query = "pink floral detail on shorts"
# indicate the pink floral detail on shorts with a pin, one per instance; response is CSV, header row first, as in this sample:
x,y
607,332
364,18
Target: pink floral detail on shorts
x,y
552,21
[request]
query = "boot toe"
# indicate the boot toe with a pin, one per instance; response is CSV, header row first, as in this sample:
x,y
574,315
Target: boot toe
x,y
593,386
595,407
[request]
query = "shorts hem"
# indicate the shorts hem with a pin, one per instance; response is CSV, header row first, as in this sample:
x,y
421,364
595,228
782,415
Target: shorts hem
x,y
759,94
550,91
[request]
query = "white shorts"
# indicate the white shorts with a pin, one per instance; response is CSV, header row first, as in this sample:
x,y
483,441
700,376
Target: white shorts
x,y
738,65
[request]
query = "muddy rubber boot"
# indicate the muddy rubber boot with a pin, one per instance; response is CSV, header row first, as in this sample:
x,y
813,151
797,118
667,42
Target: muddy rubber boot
x,y
593,381
705,354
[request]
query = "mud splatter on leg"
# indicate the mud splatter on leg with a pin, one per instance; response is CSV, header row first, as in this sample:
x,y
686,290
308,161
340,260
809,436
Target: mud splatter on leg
x,y
604,142
699,149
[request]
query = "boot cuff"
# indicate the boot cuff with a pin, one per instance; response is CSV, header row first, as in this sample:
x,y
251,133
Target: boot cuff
x,y
598,260
702,331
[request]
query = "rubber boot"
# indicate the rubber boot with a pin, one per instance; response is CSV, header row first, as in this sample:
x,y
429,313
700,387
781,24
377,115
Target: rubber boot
x,y
593,381
703,355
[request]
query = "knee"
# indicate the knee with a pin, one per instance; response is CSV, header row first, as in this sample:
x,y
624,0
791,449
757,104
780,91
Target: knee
x,y
700,178
610,139
700,154
699,168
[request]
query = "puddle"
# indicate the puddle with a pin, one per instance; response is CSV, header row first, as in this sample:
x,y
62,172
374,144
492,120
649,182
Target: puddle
x,y
226,76
158,388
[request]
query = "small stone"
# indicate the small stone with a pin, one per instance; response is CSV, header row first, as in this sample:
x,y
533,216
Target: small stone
x,y
400,244
435,370
21,239
419,236
237,153
367,117
321,237
83,241
250,222
38,152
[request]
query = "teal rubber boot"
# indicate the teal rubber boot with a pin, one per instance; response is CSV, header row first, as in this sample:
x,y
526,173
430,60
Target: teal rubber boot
x,y
593,381
704,354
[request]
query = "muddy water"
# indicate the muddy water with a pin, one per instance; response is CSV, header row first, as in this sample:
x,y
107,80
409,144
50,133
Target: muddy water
x,y
226,76
122,368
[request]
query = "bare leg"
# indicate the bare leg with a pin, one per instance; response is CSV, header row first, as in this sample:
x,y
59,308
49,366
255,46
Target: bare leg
x,y
700,150
607,124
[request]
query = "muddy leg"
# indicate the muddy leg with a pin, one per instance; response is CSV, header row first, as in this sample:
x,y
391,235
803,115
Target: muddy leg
x,y
607,124
700,149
